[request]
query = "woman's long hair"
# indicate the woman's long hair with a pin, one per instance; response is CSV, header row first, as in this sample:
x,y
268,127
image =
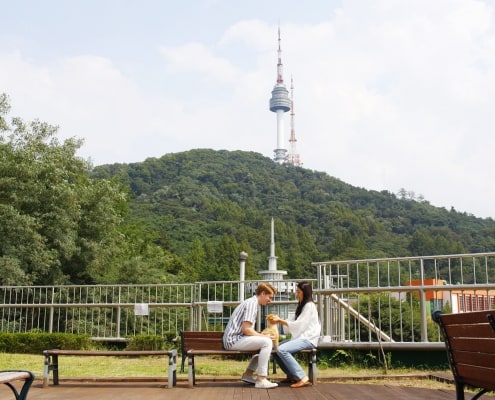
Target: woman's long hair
x,y
307,290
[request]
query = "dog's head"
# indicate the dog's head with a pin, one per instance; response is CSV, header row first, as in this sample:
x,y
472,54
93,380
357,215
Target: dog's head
x,y
270,319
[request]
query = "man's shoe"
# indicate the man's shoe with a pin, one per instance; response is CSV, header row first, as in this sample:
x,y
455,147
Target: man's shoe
x,y
248,378
265,384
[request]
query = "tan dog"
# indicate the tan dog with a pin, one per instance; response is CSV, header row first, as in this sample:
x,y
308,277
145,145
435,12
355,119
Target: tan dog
x,y
272,330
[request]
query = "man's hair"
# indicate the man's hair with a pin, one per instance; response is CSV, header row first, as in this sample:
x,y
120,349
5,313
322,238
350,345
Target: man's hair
x,y
265,287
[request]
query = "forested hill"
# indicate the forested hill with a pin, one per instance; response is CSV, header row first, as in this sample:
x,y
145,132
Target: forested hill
x,y
205,206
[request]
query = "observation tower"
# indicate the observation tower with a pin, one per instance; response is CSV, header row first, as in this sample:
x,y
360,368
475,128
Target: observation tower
x,y
280,104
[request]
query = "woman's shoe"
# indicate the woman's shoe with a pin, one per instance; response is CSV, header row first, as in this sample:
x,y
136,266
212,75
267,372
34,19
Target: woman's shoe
x,y
301,383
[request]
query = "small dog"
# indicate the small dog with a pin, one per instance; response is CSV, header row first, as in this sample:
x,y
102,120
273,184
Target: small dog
x,y
272,330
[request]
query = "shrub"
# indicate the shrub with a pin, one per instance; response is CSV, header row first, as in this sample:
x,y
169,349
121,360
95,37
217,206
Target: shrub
x,y
146,342
36,342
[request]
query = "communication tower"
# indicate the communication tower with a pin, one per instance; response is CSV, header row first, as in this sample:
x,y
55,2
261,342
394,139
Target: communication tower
x,y
293,158
280,104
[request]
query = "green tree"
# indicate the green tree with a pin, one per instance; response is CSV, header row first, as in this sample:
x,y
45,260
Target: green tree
x,y
55,221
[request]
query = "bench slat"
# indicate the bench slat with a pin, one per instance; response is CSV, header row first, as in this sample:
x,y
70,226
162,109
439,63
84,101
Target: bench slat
x,y
216,352
473,344
9,376
107,352
475,359
483,330
202,334
477,376
201,340
204,345
475,317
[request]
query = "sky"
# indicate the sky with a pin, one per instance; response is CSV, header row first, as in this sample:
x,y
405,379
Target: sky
x,y
388,94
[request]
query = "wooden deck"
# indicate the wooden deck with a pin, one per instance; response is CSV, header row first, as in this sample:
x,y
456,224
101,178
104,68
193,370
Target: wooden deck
x,y
226,390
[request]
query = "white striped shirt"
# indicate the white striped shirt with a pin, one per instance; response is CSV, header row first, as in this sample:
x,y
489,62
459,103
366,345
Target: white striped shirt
x,y
246,311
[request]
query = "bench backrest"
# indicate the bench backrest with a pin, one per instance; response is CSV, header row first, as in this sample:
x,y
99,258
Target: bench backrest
x,y
470,341
193,340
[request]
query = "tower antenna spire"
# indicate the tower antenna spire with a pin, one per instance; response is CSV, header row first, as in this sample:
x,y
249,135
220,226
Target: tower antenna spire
x,y
293,158
280,75
280,104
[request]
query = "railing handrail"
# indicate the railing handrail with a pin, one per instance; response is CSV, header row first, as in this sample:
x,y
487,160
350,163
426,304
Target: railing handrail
x,y
408,258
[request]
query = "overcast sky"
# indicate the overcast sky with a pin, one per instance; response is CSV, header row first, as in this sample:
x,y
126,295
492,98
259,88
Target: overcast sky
x,y
388,94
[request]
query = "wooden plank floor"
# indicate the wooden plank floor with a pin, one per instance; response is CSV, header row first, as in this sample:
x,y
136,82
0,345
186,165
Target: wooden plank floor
x,y
228,391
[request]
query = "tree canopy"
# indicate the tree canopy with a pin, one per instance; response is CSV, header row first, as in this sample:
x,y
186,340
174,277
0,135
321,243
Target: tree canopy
x,y
60,225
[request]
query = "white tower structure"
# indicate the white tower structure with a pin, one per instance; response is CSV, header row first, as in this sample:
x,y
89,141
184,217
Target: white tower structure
x,y
272,274
293,158
280,104
284,288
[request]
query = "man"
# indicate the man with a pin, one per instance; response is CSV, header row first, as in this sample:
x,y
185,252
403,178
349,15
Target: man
x,y
241,335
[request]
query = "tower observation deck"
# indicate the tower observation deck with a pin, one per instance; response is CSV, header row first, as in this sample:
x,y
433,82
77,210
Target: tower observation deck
x,y
280,104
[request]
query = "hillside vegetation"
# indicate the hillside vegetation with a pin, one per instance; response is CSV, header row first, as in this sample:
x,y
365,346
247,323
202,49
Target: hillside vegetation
x,y
186,216
205,206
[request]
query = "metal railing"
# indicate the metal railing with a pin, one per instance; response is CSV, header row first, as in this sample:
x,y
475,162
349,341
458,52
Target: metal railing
x,y
371,303
388,302
115,312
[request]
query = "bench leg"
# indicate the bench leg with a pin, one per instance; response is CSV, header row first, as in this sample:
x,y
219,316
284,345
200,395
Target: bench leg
x,y
51,364
46,370
22,395
191,376
312,367
479,394
172,369
25,387
182,362
55,369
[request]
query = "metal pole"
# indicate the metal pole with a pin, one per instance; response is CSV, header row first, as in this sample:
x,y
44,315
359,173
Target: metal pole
x,y
242,260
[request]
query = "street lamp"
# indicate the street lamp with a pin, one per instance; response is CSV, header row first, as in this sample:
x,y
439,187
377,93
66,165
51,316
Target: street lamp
x,y
242,261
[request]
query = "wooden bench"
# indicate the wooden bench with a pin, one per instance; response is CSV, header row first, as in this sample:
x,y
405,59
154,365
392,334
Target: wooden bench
x,y
194,343
470,341
51,360
10,377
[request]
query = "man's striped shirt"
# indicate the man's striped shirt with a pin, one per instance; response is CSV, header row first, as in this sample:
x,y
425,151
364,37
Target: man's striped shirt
x,y
246,311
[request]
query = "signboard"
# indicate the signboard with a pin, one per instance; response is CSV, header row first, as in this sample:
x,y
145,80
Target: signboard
x,y
141,309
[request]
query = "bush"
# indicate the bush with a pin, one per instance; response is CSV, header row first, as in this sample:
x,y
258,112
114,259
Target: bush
x,y
168,341
36,342
146,342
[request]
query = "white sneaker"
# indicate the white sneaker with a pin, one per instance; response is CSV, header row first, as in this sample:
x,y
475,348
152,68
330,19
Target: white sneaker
x,y
265,384
248,378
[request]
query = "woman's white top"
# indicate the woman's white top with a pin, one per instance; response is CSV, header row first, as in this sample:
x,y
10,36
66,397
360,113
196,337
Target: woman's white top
x,y
306,326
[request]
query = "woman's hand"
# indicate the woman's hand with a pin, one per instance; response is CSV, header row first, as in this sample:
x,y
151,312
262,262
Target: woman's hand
x,y
273,318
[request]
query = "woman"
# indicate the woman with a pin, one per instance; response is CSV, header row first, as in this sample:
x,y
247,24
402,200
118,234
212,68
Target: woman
x,y
305,331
